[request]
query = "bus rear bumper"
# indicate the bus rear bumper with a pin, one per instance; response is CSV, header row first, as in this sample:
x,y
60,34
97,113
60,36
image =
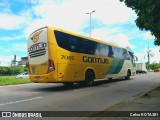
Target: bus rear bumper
x,y
44,78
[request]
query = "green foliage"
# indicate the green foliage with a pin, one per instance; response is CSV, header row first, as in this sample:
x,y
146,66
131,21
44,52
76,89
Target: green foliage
x,y
12,70
10,80
148,15
153,66
27,65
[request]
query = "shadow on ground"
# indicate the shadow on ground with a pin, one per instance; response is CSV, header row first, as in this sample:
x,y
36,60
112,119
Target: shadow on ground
x,y
61,87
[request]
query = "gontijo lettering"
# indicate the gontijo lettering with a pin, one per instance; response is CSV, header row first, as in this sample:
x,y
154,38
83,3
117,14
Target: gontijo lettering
x,y
95,60
37,46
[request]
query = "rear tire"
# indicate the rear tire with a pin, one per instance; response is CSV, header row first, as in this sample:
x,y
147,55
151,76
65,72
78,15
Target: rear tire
x,y
89,78
128,75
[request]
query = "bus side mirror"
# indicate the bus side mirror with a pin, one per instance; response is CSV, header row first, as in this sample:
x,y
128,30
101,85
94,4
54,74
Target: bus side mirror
x,y
135,57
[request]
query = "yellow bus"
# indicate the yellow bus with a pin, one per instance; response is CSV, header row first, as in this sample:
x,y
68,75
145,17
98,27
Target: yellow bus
x,y
59,56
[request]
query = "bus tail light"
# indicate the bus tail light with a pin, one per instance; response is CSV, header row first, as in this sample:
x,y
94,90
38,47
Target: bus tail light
x,y
50,66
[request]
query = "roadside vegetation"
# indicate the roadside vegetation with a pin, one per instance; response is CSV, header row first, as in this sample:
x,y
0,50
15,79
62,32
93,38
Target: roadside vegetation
x,y
12,70
7,75
10,80
158,88
152,66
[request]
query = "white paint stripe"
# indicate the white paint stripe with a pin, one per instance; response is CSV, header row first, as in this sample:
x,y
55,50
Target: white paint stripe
x,y
1,104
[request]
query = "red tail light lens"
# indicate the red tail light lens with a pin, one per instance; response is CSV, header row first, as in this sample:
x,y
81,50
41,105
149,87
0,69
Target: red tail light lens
x,y
50,66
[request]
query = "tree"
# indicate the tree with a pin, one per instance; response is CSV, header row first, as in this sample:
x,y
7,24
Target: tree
x,y
27,65
149,54
148,16
155,66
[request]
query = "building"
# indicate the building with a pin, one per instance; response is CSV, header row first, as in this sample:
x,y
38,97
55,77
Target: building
x,y
23,61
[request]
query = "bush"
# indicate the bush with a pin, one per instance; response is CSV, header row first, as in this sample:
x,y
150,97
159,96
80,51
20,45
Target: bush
x,y
12,70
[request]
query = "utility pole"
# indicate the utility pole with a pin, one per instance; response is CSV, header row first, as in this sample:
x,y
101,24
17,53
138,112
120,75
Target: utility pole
x,y
90,21
148,55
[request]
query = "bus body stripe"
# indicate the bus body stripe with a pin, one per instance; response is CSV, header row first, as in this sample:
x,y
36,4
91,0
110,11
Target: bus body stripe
x,y
115,66
112,66
119,66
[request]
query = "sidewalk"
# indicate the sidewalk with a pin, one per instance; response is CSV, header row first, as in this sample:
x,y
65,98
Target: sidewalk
x,y
148,101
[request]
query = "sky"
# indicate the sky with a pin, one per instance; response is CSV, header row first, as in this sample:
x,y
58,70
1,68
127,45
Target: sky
x,y
112,22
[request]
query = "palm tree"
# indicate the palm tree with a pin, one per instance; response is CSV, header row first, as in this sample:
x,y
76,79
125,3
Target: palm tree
x,y
149,54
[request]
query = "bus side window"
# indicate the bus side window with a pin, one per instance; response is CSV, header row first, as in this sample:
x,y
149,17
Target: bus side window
x,y
87,47
97,49
102,50
73,43
91,47
107,50
125,55
110,54
80,46
83,46
118,53
62,40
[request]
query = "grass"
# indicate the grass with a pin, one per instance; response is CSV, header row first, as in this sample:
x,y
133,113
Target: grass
x,y
10,80
158,88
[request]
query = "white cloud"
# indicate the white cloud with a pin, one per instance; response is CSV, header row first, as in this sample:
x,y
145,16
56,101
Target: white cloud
x,y
156,55
148,36
6,60
72,15
20,47
5,50
68,15
16,47
11,21
112,36
13,37
112,11
5,5
121,40
142,56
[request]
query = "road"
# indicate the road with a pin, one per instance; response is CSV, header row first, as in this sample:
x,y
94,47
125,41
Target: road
x,y
56,97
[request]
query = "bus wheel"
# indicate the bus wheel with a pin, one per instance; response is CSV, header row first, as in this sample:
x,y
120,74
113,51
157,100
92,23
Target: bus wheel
x,y
89,78
128,75
68,84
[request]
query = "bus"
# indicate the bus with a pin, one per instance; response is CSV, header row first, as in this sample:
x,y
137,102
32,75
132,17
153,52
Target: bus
x,y
59,56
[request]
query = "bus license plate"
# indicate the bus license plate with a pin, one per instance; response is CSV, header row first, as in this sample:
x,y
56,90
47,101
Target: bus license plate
x,y
37,78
